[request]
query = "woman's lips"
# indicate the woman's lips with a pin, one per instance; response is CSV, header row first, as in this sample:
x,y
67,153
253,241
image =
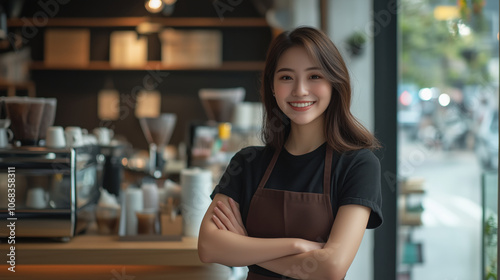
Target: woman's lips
x,y
302,105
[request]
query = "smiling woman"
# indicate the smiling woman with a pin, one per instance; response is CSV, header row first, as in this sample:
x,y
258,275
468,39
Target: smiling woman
x,y
301,91
299,206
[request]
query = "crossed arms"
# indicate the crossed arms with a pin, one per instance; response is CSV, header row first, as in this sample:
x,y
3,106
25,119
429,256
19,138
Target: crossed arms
x,y
223,239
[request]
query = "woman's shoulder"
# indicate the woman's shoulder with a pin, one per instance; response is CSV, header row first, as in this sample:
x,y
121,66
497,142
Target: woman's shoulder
x,y
361,156
253,149
361,153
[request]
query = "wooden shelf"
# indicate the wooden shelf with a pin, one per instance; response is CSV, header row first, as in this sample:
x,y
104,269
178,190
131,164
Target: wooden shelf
x,y
134,21
153,65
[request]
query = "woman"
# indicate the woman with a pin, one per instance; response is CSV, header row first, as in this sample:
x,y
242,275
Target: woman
x,y
299,206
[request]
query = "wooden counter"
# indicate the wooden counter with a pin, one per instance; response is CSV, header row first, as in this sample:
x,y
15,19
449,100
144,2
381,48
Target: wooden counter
x,y
96,249
104,257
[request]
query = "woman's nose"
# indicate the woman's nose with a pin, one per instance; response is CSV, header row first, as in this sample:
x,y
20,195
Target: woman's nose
x,y
300,89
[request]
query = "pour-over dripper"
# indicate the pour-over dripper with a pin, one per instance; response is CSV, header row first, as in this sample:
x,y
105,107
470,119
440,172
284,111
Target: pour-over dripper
x,y
48,117
219,104
157,132
4,123
25,114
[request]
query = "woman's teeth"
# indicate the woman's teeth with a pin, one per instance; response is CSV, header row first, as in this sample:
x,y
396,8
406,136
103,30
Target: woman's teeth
x,y
301,104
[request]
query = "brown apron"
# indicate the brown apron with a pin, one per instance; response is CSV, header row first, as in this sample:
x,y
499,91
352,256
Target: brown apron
x,y
286,214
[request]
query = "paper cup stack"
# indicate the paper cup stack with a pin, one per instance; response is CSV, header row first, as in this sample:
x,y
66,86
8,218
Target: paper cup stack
x,y
134,202
195,198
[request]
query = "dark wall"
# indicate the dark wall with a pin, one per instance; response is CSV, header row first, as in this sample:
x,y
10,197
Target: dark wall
x,y
135,8
76,90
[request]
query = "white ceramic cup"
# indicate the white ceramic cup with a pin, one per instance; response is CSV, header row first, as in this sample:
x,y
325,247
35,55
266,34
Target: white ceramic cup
x,y
74,136
89,139
55,137
243,114
37,198
6,136
150,196
103,134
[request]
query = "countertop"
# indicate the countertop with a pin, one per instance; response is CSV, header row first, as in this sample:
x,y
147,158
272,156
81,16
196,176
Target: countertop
x,y
105,257
95,249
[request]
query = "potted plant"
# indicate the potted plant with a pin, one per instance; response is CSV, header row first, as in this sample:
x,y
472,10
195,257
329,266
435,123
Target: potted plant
x,y
356,43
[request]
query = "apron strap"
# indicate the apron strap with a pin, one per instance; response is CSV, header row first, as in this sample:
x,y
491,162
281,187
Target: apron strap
x,y
328,170
269,169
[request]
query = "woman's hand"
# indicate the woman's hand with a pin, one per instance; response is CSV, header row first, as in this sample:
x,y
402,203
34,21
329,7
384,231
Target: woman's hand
x,y
306,245
226,218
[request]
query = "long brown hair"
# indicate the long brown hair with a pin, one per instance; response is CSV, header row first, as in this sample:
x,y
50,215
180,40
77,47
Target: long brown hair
x,y
342,130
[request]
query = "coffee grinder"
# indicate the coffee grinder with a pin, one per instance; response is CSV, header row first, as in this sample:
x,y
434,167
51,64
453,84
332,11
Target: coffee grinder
x,y
206,138
157,132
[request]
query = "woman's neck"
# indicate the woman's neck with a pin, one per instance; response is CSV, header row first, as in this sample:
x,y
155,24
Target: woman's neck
x,y
305,138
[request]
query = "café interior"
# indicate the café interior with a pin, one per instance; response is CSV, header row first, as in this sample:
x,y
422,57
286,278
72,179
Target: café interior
x,y
118,118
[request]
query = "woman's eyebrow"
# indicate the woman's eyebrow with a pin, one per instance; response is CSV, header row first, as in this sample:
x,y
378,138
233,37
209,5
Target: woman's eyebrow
x,y
291,70
285,69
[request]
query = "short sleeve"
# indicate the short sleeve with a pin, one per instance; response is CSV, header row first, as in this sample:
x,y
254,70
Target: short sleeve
x,y
362,185
231,181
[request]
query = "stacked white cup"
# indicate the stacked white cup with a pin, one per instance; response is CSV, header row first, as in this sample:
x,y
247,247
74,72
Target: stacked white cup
x,y
195,198
74,136
133,203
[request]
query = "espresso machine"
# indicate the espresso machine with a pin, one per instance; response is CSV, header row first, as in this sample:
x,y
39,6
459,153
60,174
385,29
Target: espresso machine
x,y
55,189
50,191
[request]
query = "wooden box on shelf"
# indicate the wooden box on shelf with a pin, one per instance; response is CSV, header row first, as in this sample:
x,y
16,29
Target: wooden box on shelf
x,y
67,47
191,47
128,50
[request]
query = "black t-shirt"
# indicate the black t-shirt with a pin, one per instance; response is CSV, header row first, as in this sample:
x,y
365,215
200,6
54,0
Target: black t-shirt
x,y
356,177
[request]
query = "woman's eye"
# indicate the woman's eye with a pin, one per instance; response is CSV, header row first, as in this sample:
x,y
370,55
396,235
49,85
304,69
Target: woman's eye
x,y
285,78
315,77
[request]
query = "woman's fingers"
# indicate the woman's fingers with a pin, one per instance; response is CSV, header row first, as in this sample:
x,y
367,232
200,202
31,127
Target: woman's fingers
x,y
230,217
224,219
218,223
236,211
237,214
229,214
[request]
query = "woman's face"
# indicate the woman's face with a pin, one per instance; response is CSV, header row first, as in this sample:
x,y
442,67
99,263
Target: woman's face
x,y
300,87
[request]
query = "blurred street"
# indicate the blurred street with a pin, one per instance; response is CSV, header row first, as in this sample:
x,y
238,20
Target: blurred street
x,y
451,231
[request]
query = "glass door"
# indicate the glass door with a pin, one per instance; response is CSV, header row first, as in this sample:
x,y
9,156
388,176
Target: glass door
x,y
448,139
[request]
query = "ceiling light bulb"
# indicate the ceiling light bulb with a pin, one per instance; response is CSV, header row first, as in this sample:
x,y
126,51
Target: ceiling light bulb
x,y
154,6
169,2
